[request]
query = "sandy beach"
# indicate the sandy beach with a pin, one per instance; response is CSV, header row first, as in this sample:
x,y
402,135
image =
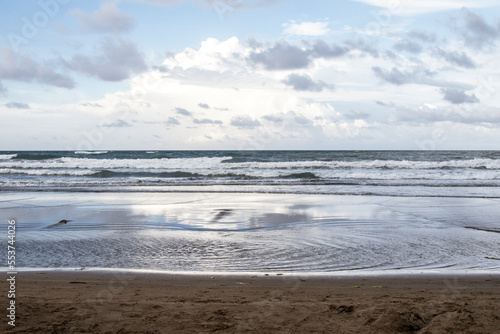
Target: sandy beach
x,y
297,263
132,302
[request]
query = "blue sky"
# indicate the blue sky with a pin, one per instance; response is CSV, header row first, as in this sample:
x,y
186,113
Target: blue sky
x,y
249,74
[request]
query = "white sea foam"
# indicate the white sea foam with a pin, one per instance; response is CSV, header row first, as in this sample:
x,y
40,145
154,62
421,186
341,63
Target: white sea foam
x,y
91,152
60,172
177,163
480,169
220,165
7,156
260,176
379,164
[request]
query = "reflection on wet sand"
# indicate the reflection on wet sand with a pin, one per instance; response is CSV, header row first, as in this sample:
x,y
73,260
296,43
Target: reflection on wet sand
x,y
221,214
276,220
252,232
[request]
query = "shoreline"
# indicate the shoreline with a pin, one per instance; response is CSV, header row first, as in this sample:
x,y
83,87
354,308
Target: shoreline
x,y
205,189
84,301
283,273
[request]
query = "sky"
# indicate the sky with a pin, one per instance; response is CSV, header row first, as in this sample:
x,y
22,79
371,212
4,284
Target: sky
x,y
250,75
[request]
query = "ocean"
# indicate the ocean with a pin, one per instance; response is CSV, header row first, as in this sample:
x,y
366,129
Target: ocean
x,y
387,173
265,211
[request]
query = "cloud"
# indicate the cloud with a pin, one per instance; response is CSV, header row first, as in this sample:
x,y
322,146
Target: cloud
x,y
303,82
3,89
273,118
418,75
385,104
306,28
244,121
291,120
422,36
183,111
117,60
206,121
17,105
218,5
119,123
253,43
203,105
214,63
408,46
426,6
282,56
477,32
160,2
356,114
457,58
363,45
14,66
108,18
321,49
172,121
90,104
457,96
429,113
304,121
394,76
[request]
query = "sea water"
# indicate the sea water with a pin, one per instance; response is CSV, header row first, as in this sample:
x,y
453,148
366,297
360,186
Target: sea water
x,y
267,211
388,173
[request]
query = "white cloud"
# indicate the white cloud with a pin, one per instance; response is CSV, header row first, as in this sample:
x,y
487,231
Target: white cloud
x,y
108,18
428,113
306,28
251,108
427,6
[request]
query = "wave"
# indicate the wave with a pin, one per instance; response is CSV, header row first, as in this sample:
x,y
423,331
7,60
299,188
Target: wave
x,y
484,163
91,152
49,161
94,173
117,174
306,175
7,156
36,156
176,174
388,178
47,172
89,163
296,188
387,173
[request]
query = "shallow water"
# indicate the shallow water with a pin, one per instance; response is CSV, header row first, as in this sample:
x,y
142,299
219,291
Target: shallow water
x,y
253,232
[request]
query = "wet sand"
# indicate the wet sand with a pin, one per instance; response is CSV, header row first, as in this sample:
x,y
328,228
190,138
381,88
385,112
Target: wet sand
x,y
253,232
132,302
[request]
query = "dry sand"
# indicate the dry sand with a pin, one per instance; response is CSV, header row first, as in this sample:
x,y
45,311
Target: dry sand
x,y
106,302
